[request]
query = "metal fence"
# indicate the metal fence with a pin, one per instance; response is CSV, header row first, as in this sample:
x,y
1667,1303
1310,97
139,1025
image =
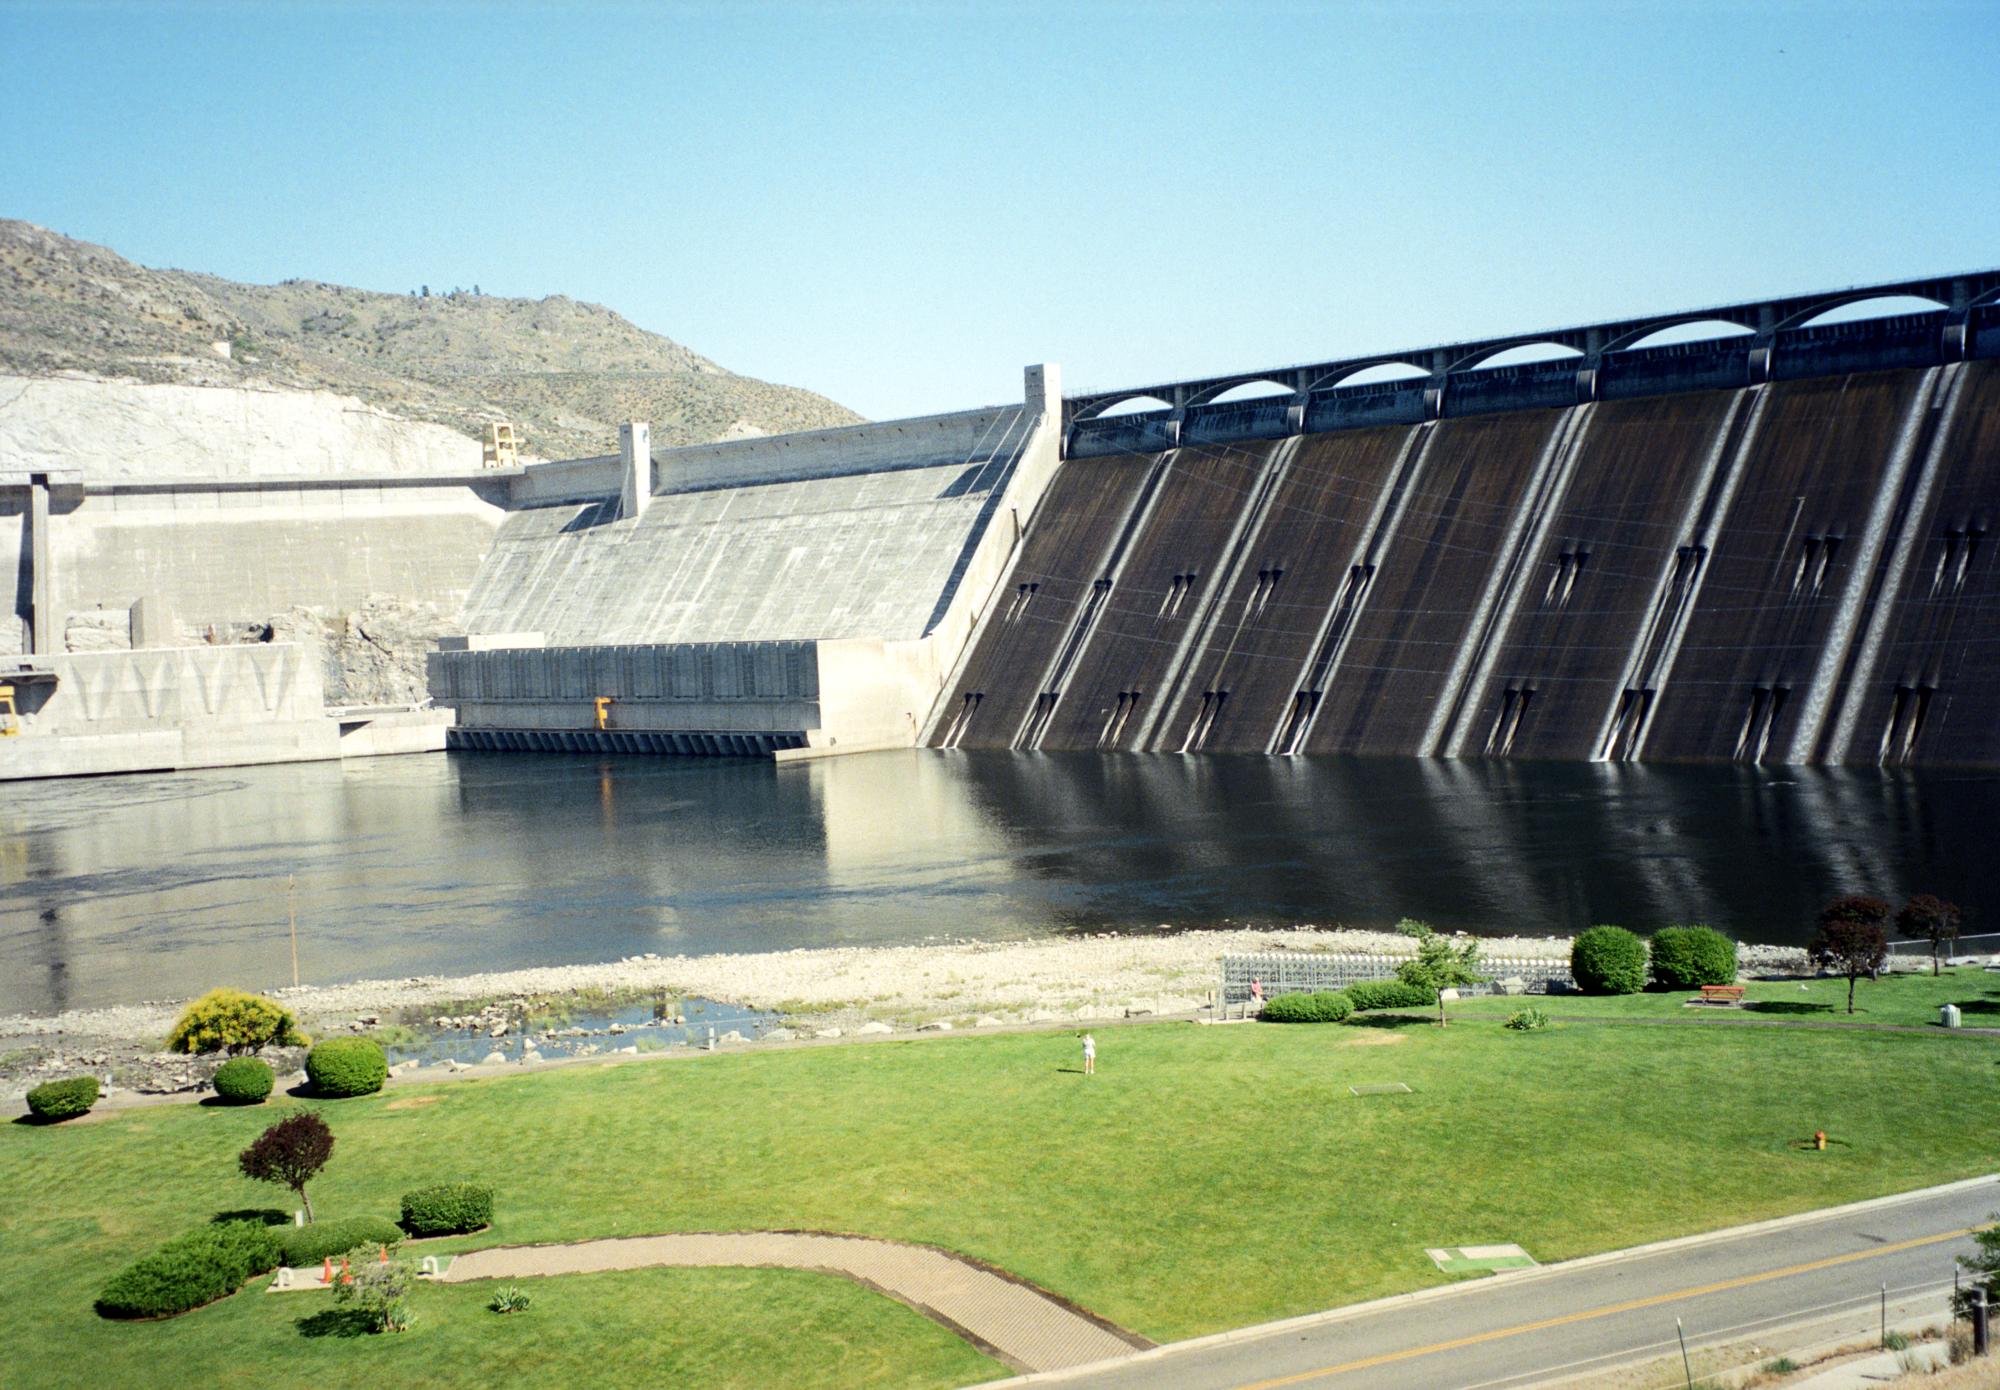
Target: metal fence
x,y
1302,972
1979,948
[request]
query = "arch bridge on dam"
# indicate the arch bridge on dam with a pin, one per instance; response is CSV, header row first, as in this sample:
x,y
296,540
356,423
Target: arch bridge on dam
x,y
1774,546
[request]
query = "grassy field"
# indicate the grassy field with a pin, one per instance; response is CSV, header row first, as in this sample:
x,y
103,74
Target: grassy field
x,y
1908,999
1206,1178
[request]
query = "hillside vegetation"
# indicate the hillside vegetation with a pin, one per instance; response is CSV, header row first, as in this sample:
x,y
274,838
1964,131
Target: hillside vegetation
x,y
564,372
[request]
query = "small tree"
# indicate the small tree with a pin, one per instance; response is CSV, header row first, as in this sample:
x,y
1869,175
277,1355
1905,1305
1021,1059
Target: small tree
x,y
1851,939
1929,918
1984,1267
291,1152
1439,965
382,1291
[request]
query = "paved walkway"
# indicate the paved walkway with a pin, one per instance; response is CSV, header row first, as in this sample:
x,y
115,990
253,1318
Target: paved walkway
x,y
1014,1322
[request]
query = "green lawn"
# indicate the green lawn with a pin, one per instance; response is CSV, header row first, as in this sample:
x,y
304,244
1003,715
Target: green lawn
x,y
1206,1178
1911,999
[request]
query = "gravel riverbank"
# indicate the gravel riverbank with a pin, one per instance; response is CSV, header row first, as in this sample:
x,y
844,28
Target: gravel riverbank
x,y
962,983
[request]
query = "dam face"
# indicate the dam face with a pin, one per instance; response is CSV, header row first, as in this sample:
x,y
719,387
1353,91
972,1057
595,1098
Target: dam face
x,y
1797,571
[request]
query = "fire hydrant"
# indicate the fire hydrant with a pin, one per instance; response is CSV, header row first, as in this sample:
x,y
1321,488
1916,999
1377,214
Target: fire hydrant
x,y
1819,1139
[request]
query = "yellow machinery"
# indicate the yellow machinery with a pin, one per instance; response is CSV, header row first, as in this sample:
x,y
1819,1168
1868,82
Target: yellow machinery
x,y
10,719
501,449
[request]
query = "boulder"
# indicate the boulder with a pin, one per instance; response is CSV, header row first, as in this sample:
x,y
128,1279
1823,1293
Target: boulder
x,y
986,1021
780,1035
492,1057
826,1032
936,1025
874,1025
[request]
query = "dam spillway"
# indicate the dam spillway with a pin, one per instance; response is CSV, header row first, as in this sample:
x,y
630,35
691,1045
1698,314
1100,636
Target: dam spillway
x,y
1770,544
1794,571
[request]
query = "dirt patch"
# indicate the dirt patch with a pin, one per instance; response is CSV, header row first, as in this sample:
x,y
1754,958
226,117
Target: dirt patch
x,y
1378,1038
412,1102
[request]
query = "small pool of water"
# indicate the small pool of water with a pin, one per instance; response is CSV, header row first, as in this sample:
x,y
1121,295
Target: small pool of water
x,y
586,1032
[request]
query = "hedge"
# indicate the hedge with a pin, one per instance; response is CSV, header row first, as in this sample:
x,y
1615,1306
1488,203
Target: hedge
x,y
63,1100
1608,960
244,1080
323,1240
1328,1006
346,1067
1685,957
1389,994
454,1207
207,1263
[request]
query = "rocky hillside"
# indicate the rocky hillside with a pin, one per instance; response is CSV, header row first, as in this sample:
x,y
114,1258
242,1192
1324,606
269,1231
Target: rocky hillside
x,y
565,373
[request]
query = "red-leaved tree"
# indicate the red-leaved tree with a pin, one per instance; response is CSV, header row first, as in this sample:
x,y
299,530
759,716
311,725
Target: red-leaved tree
x,y
1928,917
291,1152
1852,938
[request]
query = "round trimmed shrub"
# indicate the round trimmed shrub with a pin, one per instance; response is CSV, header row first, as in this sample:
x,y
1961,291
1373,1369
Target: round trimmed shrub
x,y
326,1240
207,1263
346,1067
1608,960
244,1080
235,1020
1390,994
452,1208
1685,957
63,1100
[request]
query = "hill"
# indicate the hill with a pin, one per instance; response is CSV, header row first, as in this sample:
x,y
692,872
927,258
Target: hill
x,y
566,373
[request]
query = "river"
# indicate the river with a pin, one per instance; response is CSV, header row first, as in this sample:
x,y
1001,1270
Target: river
x,y
114,890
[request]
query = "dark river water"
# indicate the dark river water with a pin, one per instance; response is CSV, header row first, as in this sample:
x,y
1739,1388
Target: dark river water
x,y
125,888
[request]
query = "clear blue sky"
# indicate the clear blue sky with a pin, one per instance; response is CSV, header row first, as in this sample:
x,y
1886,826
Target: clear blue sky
x,y
899,205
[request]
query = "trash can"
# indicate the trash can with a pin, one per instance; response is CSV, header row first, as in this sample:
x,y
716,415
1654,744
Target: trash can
x,y
1948,1015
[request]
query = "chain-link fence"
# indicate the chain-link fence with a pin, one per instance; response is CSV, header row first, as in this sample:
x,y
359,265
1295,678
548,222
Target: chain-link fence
x,y
1301,972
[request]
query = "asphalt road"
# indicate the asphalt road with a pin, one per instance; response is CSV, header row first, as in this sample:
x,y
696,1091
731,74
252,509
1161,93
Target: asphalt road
x,y
1520,1329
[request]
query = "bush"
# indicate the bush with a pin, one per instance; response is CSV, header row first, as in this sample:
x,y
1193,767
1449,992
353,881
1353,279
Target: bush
x,y
207,1263
346,1067
244,1080
512,1299
1527,1020
455,1207
329,1240
1328,1006
1389,994
234,1020
63,1100
1685,957
1608,960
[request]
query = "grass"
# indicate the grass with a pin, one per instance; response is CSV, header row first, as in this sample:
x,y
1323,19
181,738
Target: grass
x,y
1206,1178
1909,999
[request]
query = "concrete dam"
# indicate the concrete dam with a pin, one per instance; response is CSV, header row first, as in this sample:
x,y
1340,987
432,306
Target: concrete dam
x,y
1770,545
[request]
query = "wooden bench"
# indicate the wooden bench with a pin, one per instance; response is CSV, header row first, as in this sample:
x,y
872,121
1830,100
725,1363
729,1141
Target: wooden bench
x,y
1720,994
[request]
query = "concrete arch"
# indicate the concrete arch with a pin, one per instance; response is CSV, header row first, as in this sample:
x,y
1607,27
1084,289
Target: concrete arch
x,y
1258,388
1486,354
1814,312
1347,372
1643,335
1137,403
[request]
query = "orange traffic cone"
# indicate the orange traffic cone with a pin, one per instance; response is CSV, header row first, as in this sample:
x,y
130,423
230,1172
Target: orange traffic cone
x,y
326,1271
346,1276
385,1256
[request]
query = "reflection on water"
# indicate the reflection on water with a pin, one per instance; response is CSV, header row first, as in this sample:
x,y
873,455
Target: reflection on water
x,y
117,889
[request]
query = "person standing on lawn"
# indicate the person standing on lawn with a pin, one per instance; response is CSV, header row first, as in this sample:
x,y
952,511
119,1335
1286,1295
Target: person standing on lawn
x,y
1089,1055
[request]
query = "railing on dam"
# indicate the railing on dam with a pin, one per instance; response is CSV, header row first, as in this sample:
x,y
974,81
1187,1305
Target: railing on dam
x,y
1776,339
